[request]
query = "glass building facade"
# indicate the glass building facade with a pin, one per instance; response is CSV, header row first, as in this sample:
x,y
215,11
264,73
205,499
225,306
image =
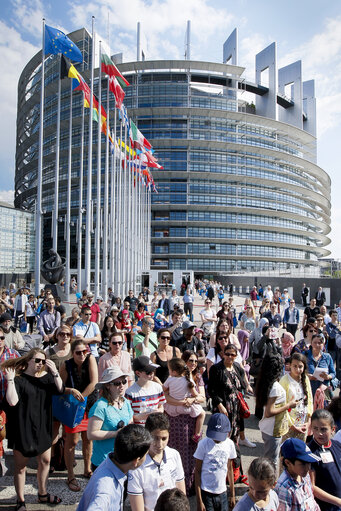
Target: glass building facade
x,y
240,190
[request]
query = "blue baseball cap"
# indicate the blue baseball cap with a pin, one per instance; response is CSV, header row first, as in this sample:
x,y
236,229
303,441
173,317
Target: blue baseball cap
x,y
218,427
296,449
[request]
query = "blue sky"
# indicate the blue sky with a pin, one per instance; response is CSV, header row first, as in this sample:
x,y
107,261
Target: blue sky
x,y
307,30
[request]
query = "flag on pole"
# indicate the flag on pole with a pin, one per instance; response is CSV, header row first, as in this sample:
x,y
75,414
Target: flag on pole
x,y
109,68
117,91
67,70
57,42
124,118
138,141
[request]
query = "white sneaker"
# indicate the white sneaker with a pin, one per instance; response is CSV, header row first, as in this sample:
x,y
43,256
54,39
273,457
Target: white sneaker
x,y
246,442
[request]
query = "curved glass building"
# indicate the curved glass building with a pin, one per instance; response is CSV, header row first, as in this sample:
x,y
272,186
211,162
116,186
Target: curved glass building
x,y
240,190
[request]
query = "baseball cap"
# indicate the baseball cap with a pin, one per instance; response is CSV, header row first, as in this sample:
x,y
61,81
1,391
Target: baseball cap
x,y
125,311
110,374
218,427
198,330
296,449
5,317
144,363
187,324
99,298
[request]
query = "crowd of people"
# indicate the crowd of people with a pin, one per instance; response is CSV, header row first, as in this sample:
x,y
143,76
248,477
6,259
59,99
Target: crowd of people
x,y
141,377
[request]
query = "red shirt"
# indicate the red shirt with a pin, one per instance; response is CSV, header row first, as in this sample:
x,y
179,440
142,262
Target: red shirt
x,y
95,310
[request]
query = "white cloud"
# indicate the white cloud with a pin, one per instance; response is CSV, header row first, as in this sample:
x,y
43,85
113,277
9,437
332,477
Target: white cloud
x,y
29,15
7,196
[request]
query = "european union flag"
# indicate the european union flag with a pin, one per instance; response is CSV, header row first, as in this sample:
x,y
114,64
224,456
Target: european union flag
x,y
57,42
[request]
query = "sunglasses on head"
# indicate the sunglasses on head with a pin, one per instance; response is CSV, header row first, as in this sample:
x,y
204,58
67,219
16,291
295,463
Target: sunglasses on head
x,y
40,360
118,383
116,343
81,352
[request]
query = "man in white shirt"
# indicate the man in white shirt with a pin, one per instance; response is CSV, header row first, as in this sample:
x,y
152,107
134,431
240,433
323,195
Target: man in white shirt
x,y
88,331
161,470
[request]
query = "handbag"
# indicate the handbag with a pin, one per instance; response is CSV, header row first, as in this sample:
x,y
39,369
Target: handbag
x,y
68,410
244,407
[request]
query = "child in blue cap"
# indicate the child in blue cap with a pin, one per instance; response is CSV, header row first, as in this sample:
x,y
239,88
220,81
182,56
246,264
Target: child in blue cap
x,y
214,456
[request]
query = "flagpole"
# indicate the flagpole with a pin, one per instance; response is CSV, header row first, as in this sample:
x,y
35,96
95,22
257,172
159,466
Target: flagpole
x,y
80,207
40,168
129,223
88,228
55,213
106,207
68,204
119,243
99,180
113,223
125,230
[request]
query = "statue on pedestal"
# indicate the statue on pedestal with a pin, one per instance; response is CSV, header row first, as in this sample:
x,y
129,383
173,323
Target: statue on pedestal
x,y
53,269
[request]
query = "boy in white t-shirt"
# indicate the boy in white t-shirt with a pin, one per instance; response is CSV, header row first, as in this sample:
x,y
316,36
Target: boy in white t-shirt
x,y
214,456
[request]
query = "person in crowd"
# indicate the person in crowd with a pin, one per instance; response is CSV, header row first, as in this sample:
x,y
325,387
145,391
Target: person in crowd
x,y
6,301
277,299
117,302
191,359
145,395
334,408
317,358
172,499
310,312
104,309
291,318
332,330
164,304
265,307
146,292
160,320
214,464
48,322
225,313
30,313
260,291
296,384
254,295
116,357
269,344
248,319
188,342
60,308
304,294
161,470
154,303
80,375
209,318
174,299
320,297
244,350
181,387
268,293
83,300
222,337
325,474
257,334
109,414
74,318
287,343
60,348
221,295
321,326
31,382
105,490
140,313
95,309
188,301
175,326
285,299
271,398
13,338
116,315
226,379
304,344
273,316
133,301
19,305
294,487
163,354
262,479
5,354
109,327
146,341
88,331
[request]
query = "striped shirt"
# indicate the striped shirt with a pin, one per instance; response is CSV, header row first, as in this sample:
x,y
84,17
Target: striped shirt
x,y
145,399
295,496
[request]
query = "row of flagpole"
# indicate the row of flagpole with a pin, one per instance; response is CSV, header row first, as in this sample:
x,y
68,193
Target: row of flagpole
x,y
122,227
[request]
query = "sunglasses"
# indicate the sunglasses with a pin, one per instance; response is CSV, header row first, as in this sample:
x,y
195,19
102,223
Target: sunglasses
x,y
40,360
66,334
164,337
2,337
222,338
116,343
230,354
87,314
81,352
208,302
193,360
118,383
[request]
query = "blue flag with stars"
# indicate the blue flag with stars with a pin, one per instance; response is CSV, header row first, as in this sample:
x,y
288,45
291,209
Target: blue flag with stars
x,y
57,42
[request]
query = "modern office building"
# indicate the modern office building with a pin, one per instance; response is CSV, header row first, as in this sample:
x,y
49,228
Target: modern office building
x,y
240,191
16,244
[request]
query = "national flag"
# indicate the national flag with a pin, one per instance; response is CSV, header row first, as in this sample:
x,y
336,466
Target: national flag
x,y
150,160
67,70
124,118
138,140
117,91
57,42
109,68
95,106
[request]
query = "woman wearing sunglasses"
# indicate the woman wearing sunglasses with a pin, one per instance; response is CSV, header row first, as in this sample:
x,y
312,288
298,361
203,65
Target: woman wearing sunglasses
x,y
31,382
116,357
80,375
109,414
163,354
